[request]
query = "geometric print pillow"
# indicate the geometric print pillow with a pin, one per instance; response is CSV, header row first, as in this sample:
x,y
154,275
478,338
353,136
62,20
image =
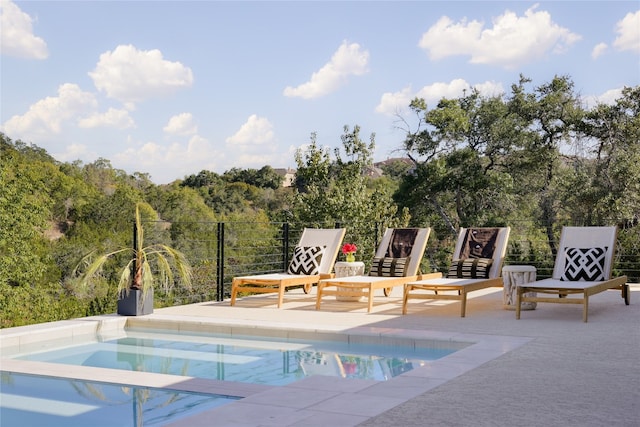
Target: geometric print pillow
x,y
584,264
470,268
306,260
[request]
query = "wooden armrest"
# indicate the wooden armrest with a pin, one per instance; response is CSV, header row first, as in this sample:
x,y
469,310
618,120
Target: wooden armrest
x,y
426,276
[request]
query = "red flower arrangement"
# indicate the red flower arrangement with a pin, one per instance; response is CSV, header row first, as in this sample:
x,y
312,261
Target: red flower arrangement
x,y
349,249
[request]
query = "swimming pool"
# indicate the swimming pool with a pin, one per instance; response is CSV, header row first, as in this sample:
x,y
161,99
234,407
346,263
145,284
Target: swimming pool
x,y
31,400
334,399
249,359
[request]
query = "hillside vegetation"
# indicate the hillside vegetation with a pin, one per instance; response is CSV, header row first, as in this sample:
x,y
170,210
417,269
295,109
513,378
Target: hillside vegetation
x,y
534,159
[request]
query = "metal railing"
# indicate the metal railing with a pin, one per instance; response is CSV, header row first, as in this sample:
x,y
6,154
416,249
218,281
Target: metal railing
x,y
219,251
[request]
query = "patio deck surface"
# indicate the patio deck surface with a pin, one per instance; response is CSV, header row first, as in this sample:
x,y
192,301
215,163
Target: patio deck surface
x,y
568,373
547,369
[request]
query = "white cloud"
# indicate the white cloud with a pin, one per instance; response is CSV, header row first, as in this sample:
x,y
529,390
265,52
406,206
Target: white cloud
x,y
490,88
511,42
48,115
609,97
76,152
166,163
17,38
274,156
181,124
446,38
255,131
131,75
348,60
628,30
394,103
436,91
598,50
248,160
119,119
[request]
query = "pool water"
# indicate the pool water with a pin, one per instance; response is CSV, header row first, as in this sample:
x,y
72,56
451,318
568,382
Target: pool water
x,y
258,360
29,400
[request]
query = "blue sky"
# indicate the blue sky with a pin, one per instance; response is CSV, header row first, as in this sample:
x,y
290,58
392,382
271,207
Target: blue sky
x,y
170,88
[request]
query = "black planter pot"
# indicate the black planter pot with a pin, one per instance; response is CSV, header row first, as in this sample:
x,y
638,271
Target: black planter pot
x,y
133,304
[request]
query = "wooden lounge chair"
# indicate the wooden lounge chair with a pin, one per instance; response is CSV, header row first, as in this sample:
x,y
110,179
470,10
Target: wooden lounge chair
x,y
313,259
393,265
477,264
583,268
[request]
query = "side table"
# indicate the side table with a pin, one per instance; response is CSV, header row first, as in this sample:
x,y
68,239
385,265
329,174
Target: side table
x,y
512,276
346,269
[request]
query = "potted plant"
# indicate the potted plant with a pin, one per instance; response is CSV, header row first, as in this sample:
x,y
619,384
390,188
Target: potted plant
x,y
135,286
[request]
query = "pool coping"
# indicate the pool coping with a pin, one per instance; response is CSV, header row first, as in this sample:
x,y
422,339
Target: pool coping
x,y
338,400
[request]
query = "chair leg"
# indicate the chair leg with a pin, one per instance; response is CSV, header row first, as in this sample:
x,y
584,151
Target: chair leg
x,y
280,296
405,299
518,301
319,289
626,294
463,304
370,299
234,292
585,308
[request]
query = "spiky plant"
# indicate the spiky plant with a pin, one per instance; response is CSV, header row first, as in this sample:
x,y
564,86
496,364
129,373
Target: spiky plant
x,y
140,263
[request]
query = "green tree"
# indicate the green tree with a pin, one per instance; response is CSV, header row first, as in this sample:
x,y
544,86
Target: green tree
x,y
328,191
265,177
396,169
613,181
459,177
312,181
549,119
25,211
203,179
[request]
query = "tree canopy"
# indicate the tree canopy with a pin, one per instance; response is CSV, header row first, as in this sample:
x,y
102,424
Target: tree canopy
x,y
534,158
534,153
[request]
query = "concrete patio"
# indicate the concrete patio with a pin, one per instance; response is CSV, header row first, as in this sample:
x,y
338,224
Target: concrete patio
x,y
569,373
547,369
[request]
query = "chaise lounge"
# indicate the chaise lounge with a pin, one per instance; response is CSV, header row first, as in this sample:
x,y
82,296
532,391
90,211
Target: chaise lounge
x,y
477,264
313,259
583,268
396,262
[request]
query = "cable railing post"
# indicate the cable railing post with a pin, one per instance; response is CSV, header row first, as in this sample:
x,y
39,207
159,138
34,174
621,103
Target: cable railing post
x,y
220,263
285,245
134,264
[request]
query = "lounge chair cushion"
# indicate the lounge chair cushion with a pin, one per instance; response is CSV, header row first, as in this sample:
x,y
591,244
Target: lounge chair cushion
x,y
401,243
479,243
584,264
306,260
389,267
470,268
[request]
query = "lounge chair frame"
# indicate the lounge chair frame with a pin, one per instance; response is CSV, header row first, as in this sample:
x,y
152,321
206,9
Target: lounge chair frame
x,y
435,286
365,286
278,283
576,292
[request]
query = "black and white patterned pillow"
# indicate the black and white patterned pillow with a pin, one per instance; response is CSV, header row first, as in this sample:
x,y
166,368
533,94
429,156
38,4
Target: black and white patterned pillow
x,y
306,260
389,267
584,264
470,268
